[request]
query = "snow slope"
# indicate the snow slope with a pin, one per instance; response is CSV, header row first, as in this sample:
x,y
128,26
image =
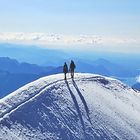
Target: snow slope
x,y
86,108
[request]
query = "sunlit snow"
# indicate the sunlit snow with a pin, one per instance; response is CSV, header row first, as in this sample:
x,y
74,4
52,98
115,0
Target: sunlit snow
x,y
86,108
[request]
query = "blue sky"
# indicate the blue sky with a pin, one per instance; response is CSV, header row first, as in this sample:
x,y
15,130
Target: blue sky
x,y
119,18
71,16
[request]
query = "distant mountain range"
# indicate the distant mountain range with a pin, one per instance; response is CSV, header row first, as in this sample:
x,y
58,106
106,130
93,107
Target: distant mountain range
x,y
33,54
13,66
105,67
14,74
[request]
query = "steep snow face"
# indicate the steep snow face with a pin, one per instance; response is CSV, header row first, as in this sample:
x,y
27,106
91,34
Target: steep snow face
x,y
86,108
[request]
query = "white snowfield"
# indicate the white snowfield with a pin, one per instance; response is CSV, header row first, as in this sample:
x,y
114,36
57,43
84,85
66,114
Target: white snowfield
x,y
90,107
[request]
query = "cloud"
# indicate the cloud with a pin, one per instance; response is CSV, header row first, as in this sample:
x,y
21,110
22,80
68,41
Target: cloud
x,y
120,40
96,42
138,79
44,38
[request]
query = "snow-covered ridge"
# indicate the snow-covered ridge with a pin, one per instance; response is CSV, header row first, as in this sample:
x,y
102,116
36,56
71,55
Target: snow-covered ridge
x,y
30,90
88,107
25,93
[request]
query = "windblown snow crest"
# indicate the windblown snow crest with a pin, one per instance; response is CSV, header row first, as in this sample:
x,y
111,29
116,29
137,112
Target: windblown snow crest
x,y
89,107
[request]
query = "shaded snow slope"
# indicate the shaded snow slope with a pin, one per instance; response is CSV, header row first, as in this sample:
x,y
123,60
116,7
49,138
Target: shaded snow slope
x,y
86,108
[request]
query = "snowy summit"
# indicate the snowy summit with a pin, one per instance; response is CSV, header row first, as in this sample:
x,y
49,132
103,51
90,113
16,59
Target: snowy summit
x,y
90,107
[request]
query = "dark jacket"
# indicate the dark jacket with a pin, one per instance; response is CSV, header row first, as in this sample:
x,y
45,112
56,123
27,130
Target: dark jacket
x,y
72,66
65,68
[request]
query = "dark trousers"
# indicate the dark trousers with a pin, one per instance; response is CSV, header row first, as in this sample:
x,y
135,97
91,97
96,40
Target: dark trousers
x,y
65,77
72,73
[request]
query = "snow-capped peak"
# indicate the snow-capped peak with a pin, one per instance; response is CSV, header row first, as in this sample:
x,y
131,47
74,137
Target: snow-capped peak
x,y
88,107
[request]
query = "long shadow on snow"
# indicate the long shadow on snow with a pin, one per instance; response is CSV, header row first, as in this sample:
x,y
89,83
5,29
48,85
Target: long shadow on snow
x,y
82,99
76,105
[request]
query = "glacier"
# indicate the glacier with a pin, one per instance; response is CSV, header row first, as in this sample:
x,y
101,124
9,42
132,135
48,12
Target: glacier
x,y
90,107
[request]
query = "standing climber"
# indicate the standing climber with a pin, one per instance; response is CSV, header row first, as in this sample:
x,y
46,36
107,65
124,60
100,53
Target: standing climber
x,y
72,67
65,70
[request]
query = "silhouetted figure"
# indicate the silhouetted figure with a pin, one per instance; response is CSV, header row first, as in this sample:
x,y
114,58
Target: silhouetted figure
x,y
72,67
65,70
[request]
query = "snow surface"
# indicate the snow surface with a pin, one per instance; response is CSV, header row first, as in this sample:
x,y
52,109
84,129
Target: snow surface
x,y
86,108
